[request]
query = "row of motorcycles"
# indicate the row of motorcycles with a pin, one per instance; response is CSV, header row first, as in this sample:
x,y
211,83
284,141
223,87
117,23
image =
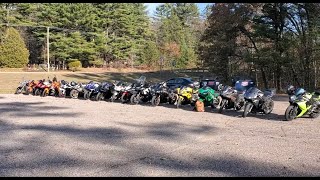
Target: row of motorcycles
x,y
249,100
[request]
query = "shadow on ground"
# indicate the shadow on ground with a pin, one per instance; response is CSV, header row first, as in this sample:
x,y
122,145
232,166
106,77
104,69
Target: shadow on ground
x,y
41,159
32,109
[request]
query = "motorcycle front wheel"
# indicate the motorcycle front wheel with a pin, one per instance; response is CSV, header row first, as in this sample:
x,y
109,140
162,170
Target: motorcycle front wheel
x,y
291,112
155,101
99,96
124,98
179,101
74,94
247,108
113,98
134,99
18,91
86,95
222,105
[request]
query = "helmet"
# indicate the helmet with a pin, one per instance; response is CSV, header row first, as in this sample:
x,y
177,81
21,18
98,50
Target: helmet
x,y
290,90
300,91
73,83
190,85
196,84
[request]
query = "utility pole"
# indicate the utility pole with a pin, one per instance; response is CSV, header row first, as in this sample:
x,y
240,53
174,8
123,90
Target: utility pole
x,y
48,48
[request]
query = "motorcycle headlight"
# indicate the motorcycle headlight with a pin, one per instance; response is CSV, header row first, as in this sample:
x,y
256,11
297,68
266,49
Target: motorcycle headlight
x,y
292,98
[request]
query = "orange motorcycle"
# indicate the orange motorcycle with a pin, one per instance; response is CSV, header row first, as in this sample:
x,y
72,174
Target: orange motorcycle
x,y
55,88
31,86
45,88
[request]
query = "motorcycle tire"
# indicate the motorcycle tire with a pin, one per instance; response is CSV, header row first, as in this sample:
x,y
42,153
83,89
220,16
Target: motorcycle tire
x,y
86,95
113,98
124,98
74,94
62,94
18,91
247,109
217,102
99,96
291,113
134,99
26,92
268,107
44,93
180,99
155,101
314,115
222,105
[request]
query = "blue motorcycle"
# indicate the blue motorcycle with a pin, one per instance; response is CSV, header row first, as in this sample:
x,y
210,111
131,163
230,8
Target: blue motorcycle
x,y
90,90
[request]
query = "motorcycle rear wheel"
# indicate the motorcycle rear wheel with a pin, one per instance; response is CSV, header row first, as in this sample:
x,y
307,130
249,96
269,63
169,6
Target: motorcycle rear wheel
x,y
315,115
268,107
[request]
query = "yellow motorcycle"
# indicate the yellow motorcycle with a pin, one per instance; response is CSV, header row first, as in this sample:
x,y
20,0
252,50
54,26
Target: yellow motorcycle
x,y
184,96
303,103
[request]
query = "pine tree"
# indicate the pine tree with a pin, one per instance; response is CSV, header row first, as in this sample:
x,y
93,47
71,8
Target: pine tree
x,y
13,51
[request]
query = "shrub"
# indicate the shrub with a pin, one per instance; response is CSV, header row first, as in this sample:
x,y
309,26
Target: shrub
x,y
98,62
74,65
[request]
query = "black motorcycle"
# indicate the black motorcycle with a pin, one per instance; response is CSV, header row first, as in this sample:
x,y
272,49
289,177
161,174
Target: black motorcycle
x,y
104,91
142,94
257,101
231,99
126,94
162,94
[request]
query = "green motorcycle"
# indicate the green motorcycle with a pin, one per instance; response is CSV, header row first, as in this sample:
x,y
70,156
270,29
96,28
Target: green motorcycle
x,y
209,97
302,103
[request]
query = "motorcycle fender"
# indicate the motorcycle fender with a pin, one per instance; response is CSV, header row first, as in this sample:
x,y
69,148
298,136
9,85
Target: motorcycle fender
x,y
303,107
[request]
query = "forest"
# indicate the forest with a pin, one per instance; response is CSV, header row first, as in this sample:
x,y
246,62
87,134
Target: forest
x,y
275,43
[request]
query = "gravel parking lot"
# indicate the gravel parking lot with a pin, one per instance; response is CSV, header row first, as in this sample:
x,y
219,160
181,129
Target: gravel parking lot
x,y
65,137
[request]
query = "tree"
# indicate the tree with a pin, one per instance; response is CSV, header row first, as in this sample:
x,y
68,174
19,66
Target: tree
x,y
13,51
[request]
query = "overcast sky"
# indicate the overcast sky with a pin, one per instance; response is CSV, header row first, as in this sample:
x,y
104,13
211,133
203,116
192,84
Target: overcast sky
x,y
152,7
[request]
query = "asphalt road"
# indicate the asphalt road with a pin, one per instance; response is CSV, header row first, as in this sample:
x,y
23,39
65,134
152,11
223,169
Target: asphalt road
x,y
66,137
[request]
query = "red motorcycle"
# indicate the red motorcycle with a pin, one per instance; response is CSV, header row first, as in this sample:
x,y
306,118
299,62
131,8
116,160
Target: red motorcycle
x,y
37,88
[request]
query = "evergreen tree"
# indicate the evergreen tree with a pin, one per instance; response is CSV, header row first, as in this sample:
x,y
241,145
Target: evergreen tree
x,y
13,51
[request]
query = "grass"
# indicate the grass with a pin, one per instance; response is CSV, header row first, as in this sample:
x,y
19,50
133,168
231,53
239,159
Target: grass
x,y
9,81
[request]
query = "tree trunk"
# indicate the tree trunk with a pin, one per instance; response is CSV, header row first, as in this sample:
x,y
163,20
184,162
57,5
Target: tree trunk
x,y
264,78
278,77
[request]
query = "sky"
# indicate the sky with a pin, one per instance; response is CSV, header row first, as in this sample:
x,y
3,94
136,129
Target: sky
x,y
152,7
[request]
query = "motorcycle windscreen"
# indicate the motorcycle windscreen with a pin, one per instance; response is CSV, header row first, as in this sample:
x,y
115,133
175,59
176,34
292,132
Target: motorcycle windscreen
x,y
269,92
242,85
227,90
251,93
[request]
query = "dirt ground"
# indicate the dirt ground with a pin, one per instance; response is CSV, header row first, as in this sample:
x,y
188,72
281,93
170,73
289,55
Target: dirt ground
x,y
72,137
